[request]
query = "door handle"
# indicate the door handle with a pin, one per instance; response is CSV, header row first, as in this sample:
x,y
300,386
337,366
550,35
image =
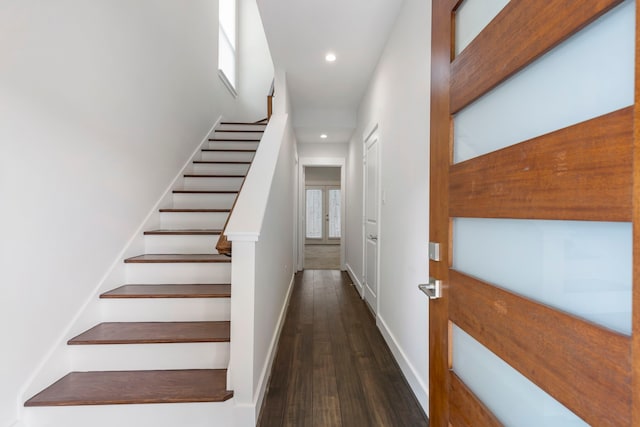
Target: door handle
x,y
433,289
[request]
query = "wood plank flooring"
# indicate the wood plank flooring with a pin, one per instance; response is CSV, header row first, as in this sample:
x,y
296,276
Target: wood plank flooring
x,y
321,257
333,367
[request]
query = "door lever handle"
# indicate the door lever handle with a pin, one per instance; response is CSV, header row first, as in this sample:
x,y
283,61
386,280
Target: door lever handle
x,y
433,289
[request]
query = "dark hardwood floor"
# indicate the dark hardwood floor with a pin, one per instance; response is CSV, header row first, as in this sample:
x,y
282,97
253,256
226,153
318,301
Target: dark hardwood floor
x,y
333,367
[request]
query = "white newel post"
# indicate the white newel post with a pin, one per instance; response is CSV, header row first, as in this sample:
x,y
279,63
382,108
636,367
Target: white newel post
x,y
240,374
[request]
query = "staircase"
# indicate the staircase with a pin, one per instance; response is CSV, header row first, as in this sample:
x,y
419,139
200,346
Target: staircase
x,y
165,333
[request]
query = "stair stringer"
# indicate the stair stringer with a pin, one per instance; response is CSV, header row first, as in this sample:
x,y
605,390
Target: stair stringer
x,y
58,360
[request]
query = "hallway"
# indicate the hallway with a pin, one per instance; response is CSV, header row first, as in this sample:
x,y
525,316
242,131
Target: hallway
x,y
333,367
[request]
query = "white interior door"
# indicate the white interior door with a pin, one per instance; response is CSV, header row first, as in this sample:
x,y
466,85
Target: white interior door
x,y
371,224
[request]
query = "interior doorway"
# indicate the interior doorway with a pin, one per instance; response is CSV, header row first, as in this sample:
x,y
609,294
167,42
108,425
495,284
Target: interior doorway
x,y
322,217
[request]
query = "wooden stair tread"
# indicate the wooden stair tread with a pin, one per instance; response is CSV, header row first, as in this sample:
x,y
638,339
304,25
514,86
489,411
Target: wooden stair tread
x,y
233,140
153,333
212,162
196,210
190,232
132,387
202,175
202,191
178,258
229,150
170,291
243,123
239,130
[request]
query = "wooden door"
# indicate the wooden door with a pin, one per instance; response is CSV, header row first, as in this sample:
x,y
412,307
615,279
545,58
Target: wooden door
x,y
578,176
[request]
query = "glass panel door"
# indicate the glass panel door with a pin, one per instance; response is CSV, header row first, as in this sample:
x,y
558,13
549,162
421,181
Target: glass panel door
x,y
323,207
333,219
314,214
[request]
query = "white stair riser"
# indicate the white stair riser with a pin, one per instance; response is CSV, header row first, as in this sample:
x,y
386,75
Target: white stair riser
x,y
236,135
232,126
220,168
126,357
234,145
227,156
213,183
165,309
161,273
179,244
205,201
170,415
193,220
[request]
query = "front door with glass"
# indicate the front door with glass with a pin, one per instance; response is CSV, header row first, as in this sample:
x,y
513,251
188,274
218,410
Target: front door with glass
x,y
322,205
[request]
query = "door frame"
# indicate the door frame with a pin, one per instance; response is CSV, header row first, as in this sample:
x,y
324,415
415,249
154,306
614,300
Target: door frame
x,y
303,162
370,130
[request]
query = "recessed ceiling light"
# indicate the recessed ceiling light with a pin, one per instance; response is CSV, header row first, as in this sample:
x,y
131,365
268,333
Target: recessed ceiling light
x,y
323,136
331,57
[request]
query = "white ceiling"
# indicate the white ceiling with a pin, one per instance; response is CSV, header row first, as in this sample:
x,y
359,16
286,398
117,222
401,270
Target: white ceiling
x,y
325,96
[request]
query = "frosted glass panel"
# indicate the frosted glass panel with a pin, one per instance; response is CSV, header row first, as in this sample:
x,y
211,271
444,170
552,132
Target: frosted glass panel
x,y
580,267
314,214
472,17
511,397
590,74
334,214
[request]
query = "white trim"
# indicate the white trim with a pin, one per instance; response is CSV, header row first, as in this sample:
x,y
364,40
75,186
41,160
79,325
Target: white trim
x,y
265,375
369,130
326,162
227,83
243,237
419,388
354,279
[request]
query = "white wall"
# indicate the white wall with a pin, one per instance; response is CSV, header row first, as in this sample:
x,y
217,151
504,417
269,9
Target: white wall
x,y
275,260
101,103
322,175
397,99
254,62
323,150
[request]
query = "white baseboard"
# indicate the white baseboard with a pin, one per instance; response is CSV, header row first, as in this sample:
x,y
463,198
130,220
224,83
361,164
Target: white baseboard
x,y
354,279
419,388
265,375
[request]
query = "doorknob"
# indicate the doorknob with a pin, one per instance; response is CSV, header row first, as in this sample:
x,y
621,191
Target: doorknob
x,y
433,289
